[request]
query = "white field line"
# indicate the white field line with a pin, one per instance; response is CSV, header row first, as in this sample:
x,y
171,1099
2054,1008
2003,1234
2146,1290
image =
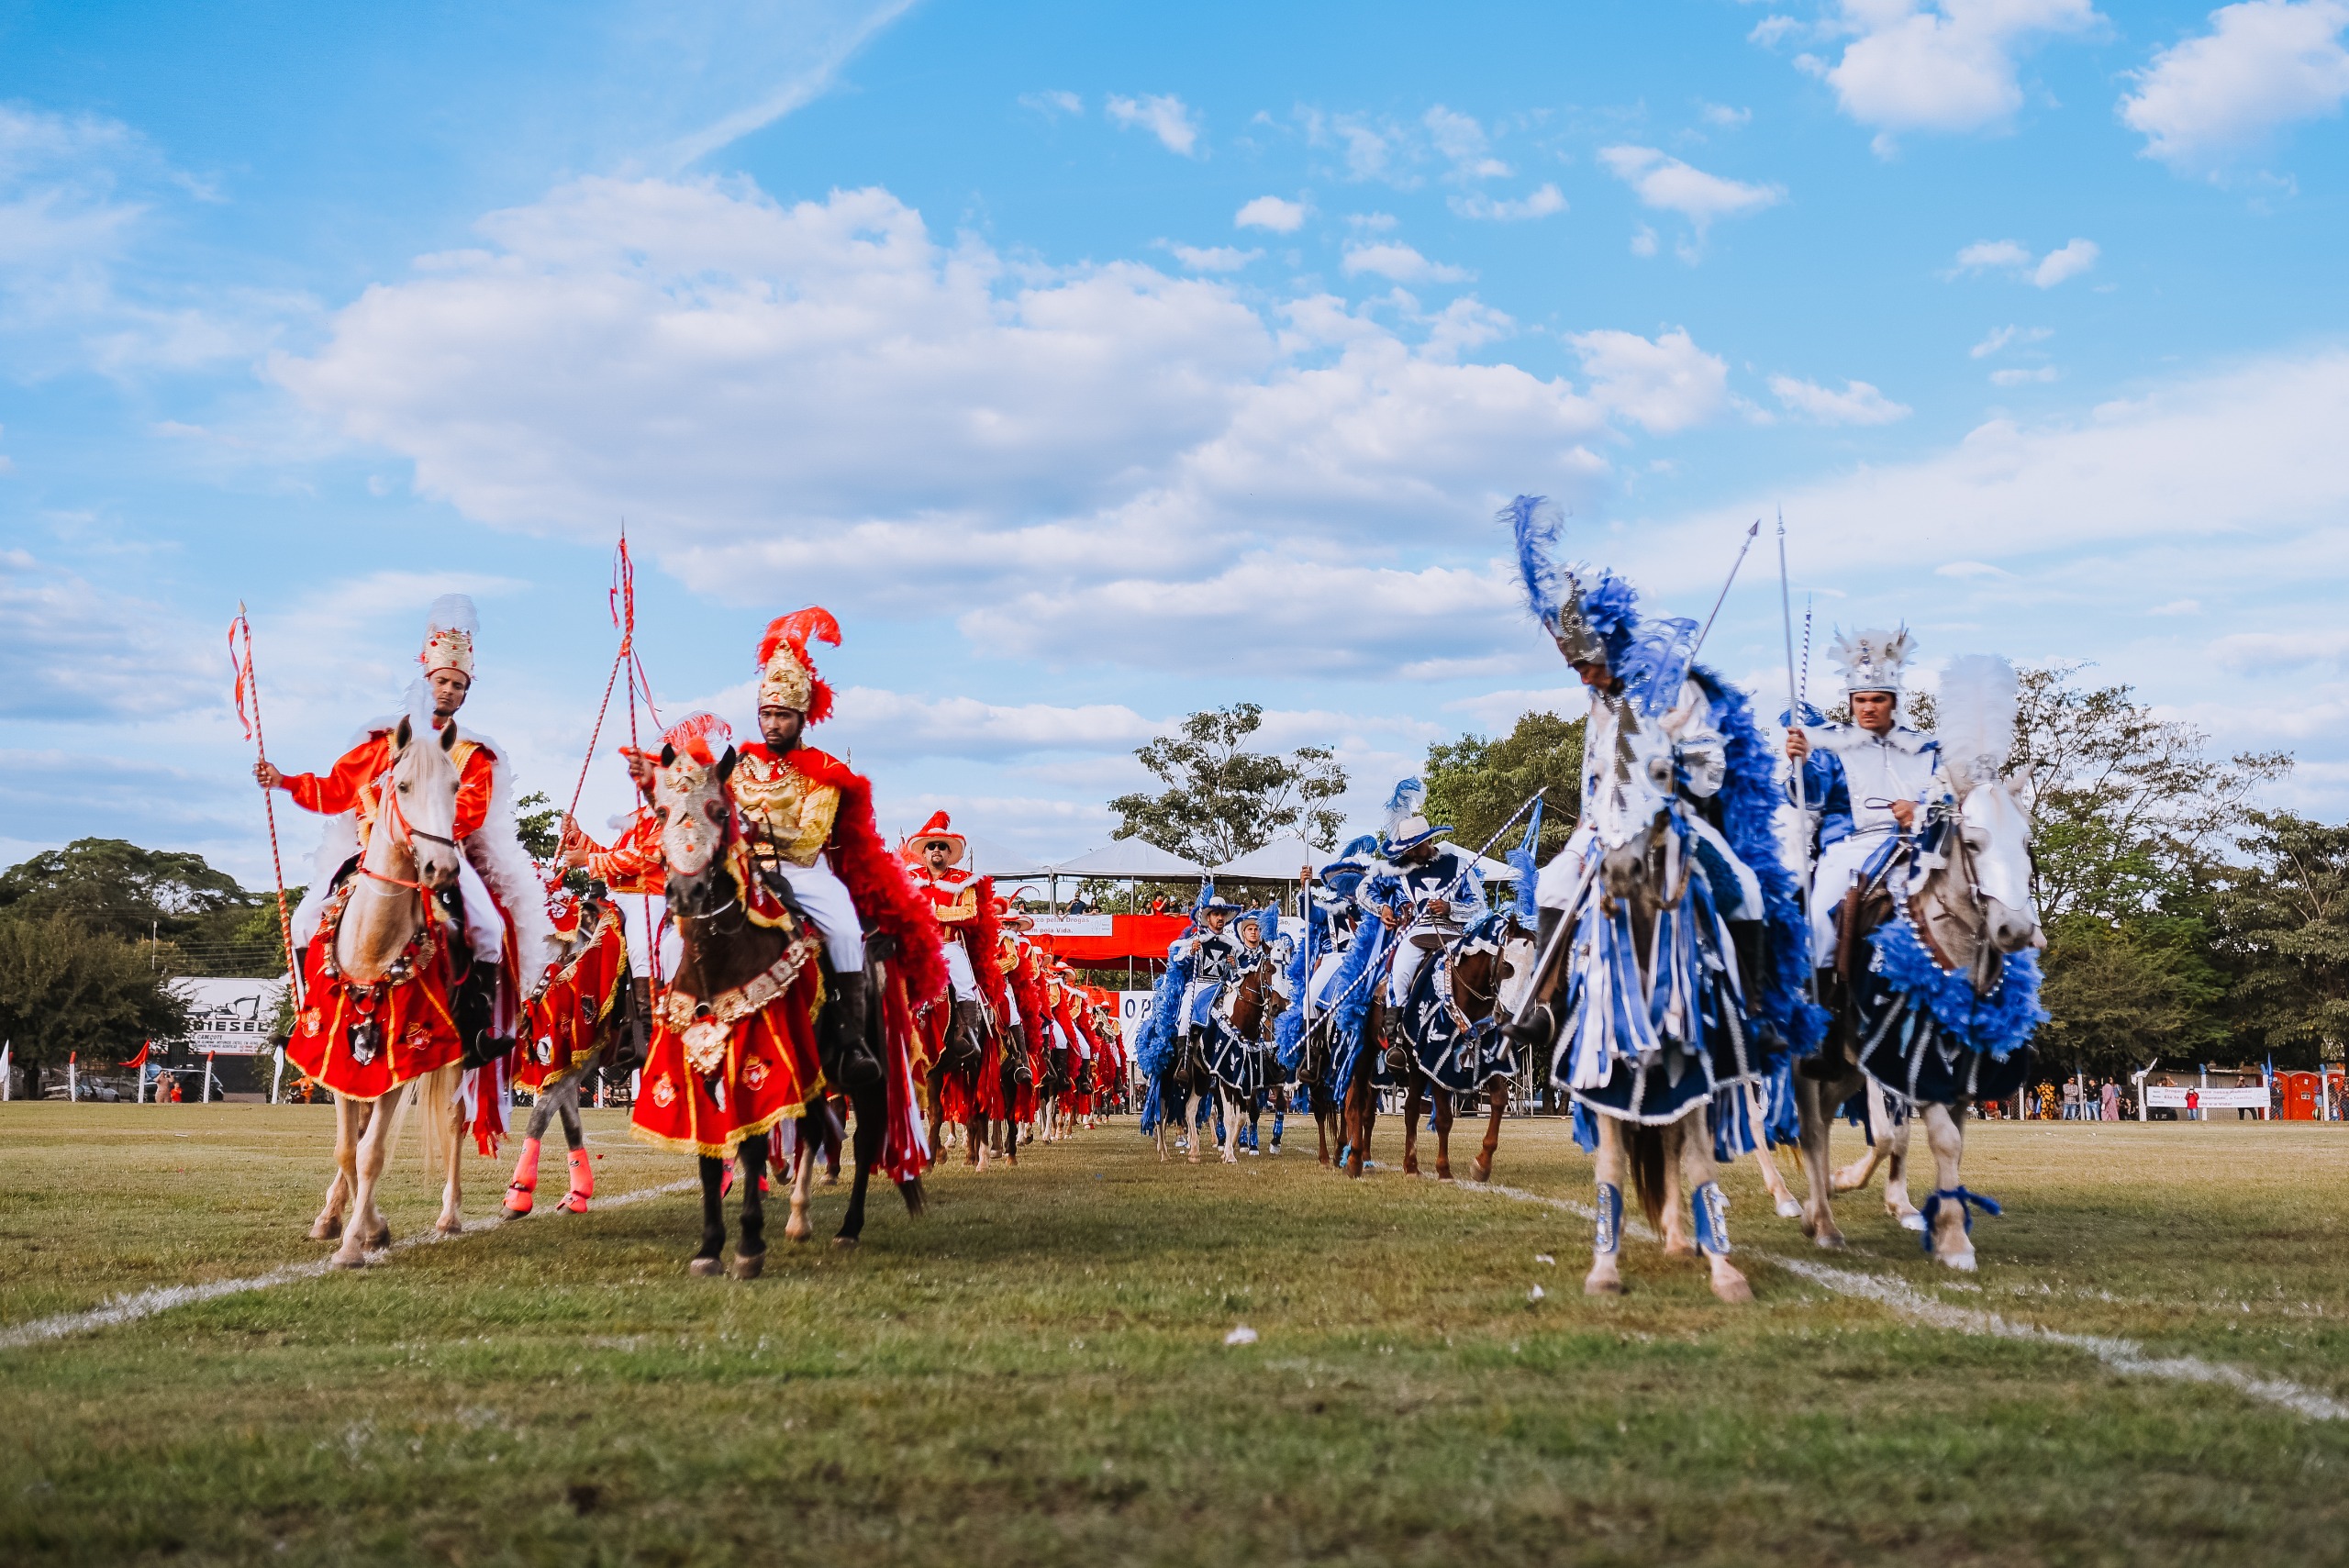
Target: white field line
x,y
147,1303
2124,1356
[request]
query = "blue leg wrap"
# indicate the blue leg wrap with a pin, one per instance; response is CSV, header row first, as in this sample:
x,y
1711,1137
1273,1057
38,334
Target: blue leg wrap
x,y
1967,1202
1708,1207
1610,1240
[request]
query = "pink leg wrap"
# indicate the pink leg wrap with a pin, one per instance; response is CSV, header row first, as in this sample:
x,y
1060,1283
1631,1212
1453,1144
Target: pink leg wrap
x,y
583,1181
525,1179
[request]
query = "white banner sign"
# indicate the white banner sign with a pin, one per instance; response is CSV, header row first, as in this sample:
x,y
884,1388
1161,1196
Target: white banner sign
x,y
230,1017
1071,925
2214,1099
1134,1011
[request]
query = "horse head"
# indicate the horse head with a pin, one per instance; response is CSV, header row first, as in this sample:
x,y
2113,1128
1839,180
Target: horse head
x,y
694,804
424,804
1633,815
1997,835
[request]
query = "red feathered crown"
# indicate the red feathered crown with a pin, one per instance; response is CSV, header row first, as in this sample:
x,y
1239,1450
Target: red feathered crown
x,y
787,676
700,737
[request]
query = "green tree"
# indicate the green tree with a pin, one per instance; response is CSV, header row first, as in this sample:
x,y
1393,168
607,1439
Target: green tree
x,y
107,884
2286,910
1477,784
65,987
1222,800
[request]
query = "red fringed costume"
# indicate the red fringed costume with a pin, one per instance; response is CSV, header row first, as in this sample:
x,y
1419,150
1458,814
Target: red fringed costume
x,y
566,1018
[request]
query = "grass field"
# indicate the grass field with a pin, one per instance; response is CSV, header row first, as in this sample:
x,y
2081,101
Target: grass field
x,y
1036,1373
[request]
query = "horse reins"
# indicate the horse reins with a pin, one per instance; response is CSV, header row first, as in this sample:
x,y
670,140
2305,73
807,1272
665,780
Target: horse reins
x,y
409,832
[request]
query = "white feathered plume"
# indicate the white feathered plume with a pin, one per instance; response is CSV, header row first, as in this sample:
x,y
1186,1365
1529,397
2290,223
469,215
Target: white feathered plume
x,y
1975,713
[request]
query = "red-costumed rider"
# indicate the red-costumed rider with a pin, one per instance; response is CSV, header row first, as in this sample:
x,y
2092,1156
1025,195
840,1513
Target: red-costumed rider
x,y
467,1006
961,1038
809,819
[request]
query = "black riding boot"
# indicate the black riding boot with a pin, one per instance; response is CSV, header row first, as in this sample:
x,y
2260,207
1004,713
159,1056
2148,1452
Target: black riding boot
x,y
1537,1024
840,1034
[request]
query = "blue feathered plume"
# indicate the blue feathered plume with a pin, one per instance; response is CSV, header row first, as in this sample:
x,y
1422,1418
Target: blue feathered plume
x,y
1406,801
1656,663
1541,531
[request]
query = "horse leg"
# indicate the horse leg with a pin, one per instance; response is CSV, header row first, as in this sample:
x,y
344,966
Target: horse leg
x,y
1895,1139
1442,1135
872,1104
348,1115
1678,1243
1781,1195
1709,1209
1413,1108
1229,1104
1952,1246
450,1113
803,1173
713,1217
574,1138
1817,1119
751,1253
1857,1175
1606,1277
1481,1168
372,1146
975,1131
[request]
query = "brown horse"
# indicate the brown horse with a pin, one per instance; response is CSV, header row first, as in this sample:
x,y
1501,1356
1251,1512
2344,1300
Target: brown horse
x,y
1478,971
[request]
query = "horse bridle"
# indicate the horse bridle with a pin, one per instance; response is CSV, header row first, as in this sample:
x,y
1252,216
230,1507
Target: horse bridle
x,y
408,833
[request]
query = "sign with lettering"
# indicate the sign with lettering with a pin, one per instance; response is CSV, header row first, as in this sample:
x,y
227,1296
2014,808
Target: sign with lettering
x,y
232,1018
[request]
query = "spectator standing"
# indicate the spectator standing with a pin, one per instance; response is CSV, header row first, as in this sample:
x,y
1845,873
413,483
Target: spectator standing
x,y
2111,1097
2071,1100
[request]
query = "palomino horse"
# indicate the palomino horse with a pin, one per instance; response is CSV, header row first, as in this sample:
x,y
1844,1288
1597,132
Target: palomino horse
x,y
723,950
411,855
1439,1058
1941,1015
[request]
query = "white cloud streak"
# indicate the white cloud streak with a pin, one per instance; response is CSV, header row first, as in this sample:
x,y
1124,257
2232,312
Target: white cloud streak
x,y
2263,65
1164,116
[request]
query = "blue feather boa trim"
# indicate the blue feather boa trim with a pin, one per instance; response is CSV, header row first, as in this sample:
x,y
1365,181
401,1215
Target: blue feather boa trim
x,y
1750,796
1996,1025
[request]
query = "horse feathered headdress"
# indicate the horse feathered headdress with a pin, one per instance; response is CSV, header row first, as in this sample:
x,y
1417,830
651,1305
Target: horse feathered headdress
x,y
700,736
1872,658
1974,715
787,675
450,628
1592,614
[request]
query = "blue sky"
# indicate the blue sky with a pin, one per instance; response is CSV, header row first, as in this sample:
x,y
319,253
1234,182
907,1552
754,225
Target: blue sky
x,y
1096,364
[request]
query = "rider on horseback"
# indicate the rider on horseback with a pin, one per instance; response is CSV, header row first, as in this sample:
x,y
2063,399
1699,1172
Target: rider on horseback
x,y
933,858
1420,889
1866,782
500,888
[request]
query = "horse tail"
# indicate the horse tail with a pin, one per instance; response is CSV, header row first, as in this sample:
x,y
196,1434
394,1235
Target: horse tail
x,y
1645,1152
436,1092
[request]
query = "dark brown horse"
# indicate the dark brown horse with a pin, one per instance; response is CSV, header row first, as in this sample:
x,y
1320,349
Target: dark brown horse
x,y
1478,973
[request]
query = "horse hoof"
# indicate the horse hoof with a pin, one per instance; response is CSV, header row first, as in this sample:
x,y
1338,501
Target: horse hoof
x,y
1961,1261
380,1239
347,1261
1597,1285
746,1267
1480,1173
1829,1240
844,1241
1679,1249
1733,1290
327,1230
1443,1173
705,1268
798,1229
1912,1220
1789,1209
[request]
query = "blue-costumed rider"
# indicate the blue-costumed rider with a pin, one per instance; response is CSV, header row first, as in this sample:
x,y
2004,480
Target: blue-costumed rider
x,y
1650,1036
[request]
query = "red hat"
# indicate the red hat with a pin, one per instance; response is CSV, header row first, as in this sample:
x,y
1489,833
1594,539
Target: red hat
x,y
936,829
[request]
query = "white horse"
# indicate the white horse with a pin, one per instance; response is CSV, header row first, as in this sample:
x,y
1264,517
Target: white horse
x,y
1959,900
411,854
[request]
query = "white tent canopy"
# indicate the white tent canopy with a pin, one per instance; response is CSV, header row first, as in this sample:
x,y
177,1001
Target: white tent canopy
x,y
1276,861
1129,857
1488,868
1004,864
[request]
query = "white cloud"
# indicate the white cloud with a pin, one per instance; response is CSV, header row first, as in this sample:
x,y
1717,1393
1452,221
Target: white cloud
x,y
1054,103
1967,571
780,396
2011,256
1463,141
1271,212
1666,183
1392,259
1540,203
1950,66
724,56
2019,377
1163,114
2068,262
2254,652
1214,257
74,653
1723,115
1665,385
1643,240
1372,151
2178,608
892,724
2262,65
2000,338
1984,254
1857,403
